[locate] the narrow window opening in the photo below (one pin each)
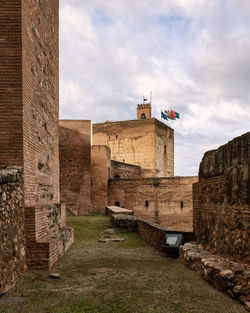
(146, 203)
(117, 203)
(116, 136)
(165, 149)
(143, 116)
(182, 205)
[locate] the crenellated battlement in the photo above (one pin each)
(143, 111)
(143, 106)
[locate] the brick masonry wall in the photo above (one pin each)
(75, 165)
(100, 173)
(124, 170)
(222, 200)
(11, 139)
(41, 132)
(40, 101)
(139, 142)
(12, 240)
(156, 199)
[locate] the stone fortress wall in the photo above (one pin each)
(166, 200)
(147, 143)
(124, 170)
(75, 165)
(122, 154)
(140, 152)
(100, 173)
(222, 200)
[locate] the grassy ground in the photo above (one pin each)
(124, 277)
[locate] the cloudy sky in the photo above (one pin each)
(193, 55)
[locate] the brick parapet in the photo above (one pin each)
(154, 233)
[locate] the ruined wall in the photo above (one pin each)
(138, 142)
(75, 165)
(167, 201)
(222, 200)
(100, 173)
(12, 241)
(124, 170)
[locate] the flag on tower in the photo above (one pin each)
(164, 116)
(172, 114)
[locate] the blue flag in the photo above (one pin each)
(164, 116)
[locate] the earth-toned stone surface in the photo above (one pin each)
(221, 200)
(12, 241)
(227, 276)
(109, 238)
(123, 220)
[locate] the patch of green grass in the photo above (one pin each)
(122, 277)
(88, 228)
(132, 241)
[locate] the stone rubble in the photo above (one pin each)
(54, 275)
(123, 220)
(229, 277)
(109, 238)
(111, 231)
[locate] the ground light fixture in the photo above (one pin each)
(171, 244)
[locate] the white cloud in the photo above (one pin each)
(193, 55)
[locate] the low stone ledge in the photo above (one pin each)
(110, 210)
(10, 174)
(229, 277)
(124, 220)
(154, 233)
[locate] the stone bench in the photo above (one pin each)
(110, 210)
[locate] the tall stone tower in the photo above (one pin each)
(143, 111)
(145, 142)
(29, 120)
